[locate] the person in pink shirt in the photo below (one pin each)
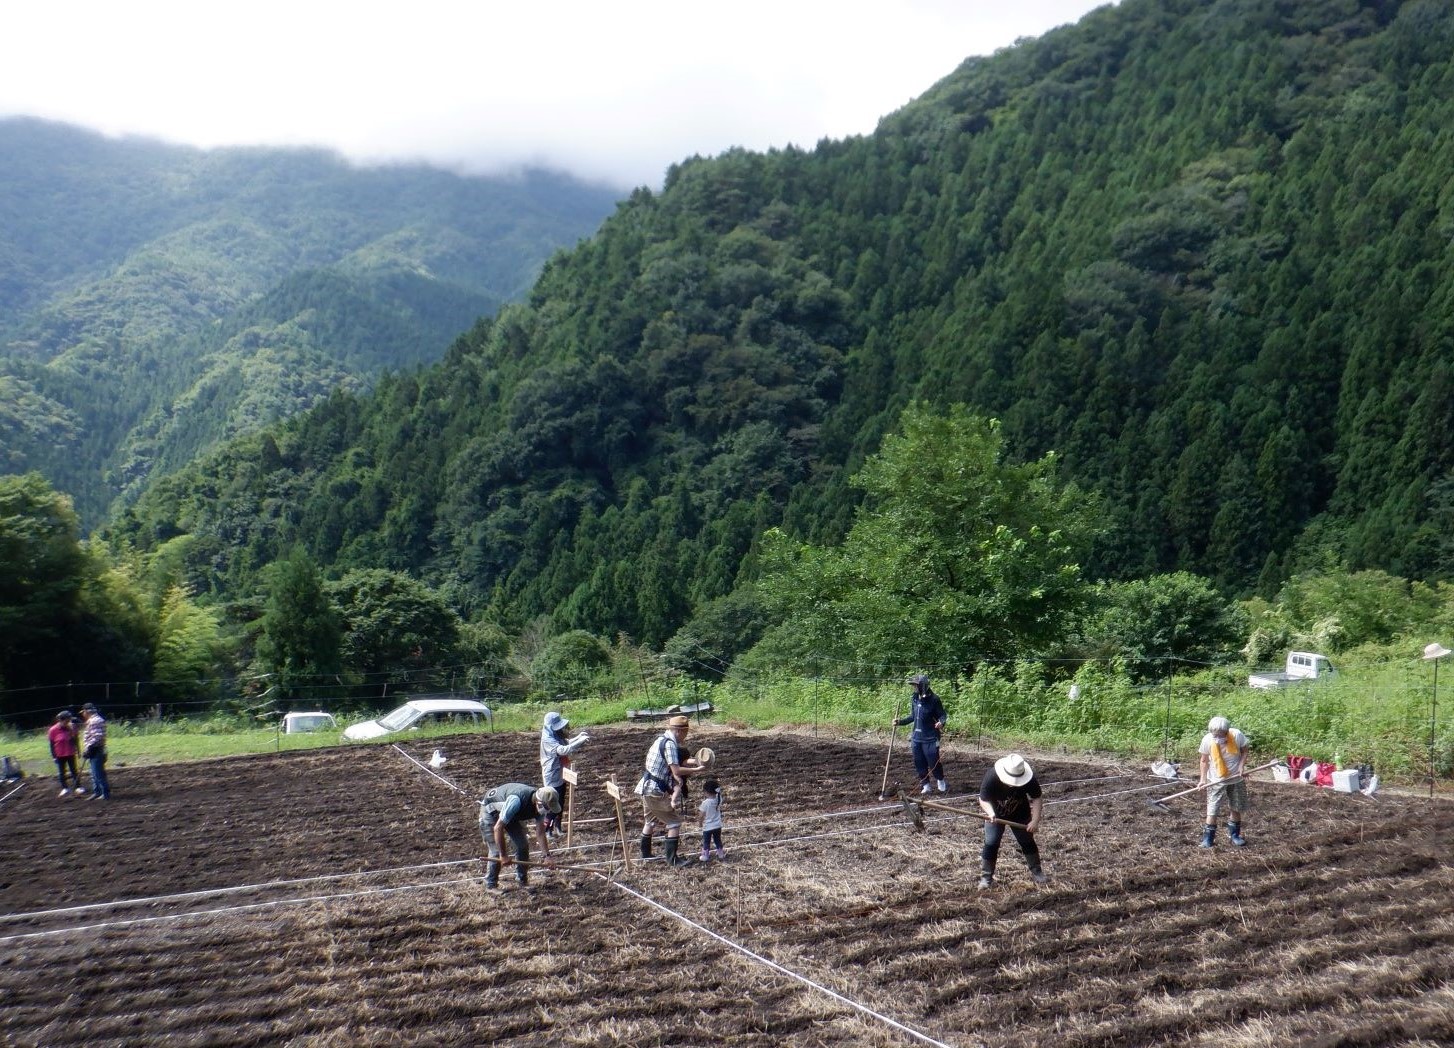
(63, 751)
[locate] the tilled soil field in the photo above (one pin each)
(334, 897)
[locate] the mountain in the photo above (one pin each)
(155, 299)
(1204, 251)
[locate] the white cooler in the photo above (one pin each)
(1346, 781)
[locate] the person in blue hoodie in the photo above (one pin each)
(926, 714)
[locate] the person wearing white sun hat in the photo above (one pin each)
(555, 751)
(1010, 793)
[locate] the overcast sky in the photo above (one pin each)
(609, 91)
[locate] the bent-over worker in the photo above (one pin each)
(504, 810)
(1010, 792)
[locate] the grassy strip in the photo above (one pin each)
(1376, 714)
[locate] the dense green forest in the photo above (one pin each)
(155, 299)
(1181, 276)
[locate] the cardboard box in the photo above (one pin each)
(1346, 781)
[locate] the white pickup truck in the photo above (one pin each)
(1301, 666)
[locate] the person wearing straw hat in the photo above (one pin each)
(1010, 793)
(666, 770)
(926, 714)
(504, 810)
(1223, 756)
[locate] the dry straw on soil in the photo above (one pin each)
(1331, 928)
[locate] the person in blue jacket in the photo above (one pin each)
(926, 714)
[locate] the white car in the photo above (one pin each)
(314, 720)
(416, 713)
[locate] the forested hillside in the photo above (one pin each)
(157, 299)
(1202, 251)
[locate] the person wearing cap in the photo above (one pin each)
(1010, 793)
(555, 751)
(926, 714)
(93, 750)
(504, 810)
(1223, 756)
(666, 767)
(62, 736)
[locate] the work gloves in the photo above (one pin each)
(576, 743)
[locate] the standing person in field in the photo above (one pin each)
(504, 810)
(555, 751)
(63, 751)
(1223, 756)
(1010, 792)
(926, 714)
(711, 809)
(666, 770)
(93, 749)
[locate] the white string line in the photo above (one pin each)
(431, 771)
(230, 890)
(244, 908)
(346, 895)
(12, 793)
(775, 966)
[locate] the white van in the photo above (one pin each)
(314, 720)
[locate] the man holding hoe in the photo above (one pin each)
(505, 810)
(1223, 756)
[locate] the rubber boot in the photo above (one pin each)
(671, 854)
(646, 845)
(1209, 832)
(1037, 874)
(1234, 834)
(986, 878)
(492, 874)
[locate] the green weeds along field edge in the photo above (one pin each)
(1386, 719)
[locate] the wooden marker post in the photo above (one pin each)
(615, 792)
(571, 778)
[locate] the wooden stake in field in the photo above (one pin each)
(615, 792)
(571, 778)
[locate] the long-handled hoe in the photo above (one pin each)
(915, 811)
(1159, 803)
(883, 790)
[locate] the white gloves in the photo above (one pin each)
(576, 743)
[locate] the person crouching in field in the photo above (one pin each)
(504, 810)
(1223, 756)
(1010, 792)
(63, 751)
